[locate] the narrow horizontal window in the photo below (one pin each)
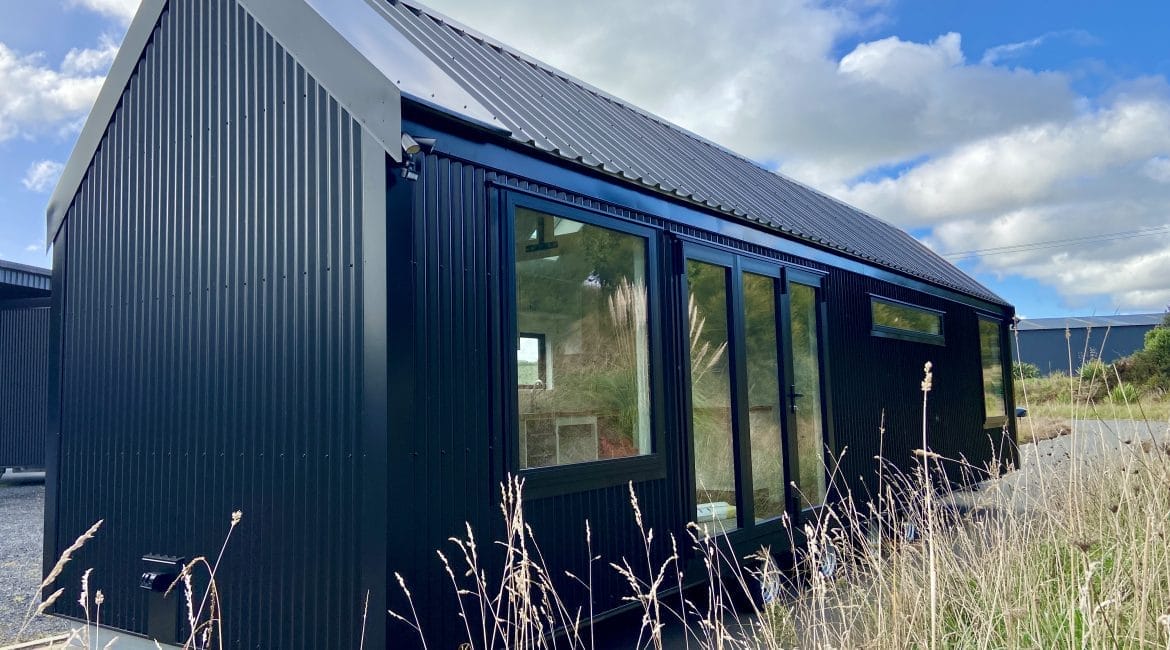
(899, 320)
(582, 345)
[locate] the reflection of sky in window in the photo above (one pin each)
(528, 350)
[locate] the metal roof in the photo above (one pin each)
(432, 60)
(14, 275)
(549, 110)
(1085, 322)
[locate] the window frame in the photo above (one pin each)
(814, 280)
(993, 421)
(541, 361)
(898, 333)
(554, 480)
(748, 531)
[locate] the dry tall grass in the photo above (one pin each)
(204, 623)
(1068, 556)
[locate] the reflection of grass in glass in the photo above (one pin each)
(767, 463)
(603, 379)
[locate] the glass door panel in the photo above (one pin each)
(806, 394)
(711, 396)
(763, 393)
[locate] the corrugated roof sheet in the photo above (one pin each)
(1083, 322)
(553, 112)
(24, 276)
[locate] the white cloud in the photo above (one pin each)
(1027, 165)
(33, 248)
(89, 61)
(34, 97)
(1158, 169)
(122, 10)
(981, 153)
(999, 53)
(42, 176)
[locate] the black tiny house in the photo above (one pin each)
(346, 265)
(24, 365)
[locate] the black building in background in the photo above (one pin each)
(347, 265)
(24, 364)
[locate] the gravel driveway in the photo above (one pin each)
(22, 507)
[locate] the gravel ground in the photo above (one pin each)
(22, 507)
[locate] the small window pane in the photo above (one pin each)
(906, 318)
(994, 402)
(715, 491)
(764, 409)
(530, 361)
(582, 345)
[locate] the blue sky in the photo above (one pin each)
(974, 125)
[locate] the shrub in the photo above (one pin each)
(1149, 366)
(1093, 370)
(1025, 370)
(1124, 393)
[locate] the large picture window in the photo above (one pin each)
(582, 341)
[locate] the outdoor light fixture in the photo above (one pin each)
(426, 144)
(411, 147)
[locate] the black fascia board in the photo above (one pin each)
(481, 147)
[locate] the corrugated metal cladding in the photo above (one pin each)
(1058, 350)
(557, 114)
(445, 471)
(445, 467)
(21, 281)
(212, 323)
(24, 389)
(874, 375)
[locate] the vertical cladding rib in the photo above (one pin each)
(211, 358)
(24, 376)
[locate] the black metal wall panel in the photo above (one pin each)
(211, 344)
(873, 376)
(446, 456)
(24, 390)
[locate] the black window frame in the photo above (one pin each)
(738, 262)
(554, 480)
(994, 421)
(886, 331)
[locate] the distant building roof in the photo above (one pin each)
(1085, 322)
(13, 274)
(20, 281)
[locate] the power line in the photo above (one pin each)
(1057, 243)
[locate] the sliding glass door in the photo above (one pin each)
(755, 407)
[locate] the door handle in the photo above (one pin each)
(792, 397)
